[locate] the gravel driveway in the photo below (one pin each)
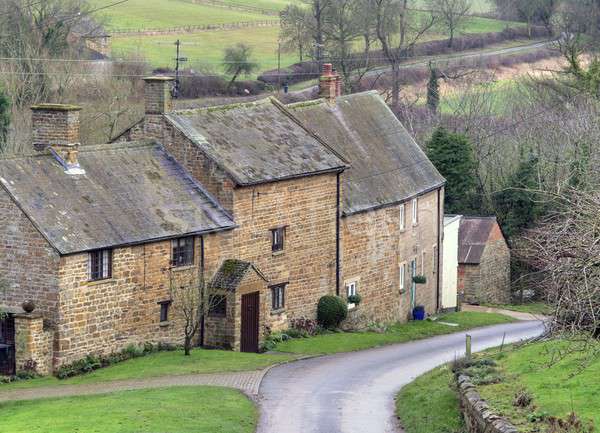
(354, 392)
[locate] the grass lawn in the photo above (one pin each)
(154, 14)
(173, 410)
(165, 364)
(351, 341)
(557, 388)
(432, 390)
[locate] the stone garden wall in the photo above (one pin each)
(479, 417)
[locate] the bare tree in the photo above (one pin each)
(452, 14)
(318, 10)
(193, 299)
(294, 33)
(398, 29)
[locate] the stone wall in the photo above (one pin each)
(373, 249)
(479, 417)
(33, 343)
(489, 281)
(105, 316)
(28, 264)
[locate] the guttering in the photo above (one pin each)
(439, 247)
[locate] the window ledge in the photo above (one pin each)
(278, 312)
(182, 268)
(352, 306)
(164, 324)
(278, 253)
(100, 282)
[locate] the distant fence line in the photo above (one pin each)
(236, 7)
(194, 29)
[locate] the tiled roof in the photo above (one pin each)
(473, 236)
(130, 193)
(386, 164)
(231, 273)
(256, 142)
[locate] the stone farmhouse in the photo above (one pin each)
(483, 262)
(274, 206)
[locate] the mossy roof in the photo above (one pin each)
(231, 274)
(386, 164)
(256, 142)
(130, 193)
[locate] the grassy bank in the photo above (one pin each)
(173, 410)
(555, 379)
(164, 364)
(432, 390)
(399, 333)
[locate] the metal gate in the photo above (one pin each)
(7, 345)
(250, 321)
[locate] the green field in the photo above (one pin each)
(477, 6)
(173, 410)
(156, 14)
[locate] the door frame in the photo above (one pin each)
(7, 343)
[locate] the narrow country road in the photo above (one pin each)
(354, 392)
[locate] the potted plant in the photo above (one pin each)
(419, 312)
(354, 300)
(420, 279)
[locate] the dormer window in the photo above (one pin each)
(100, 265)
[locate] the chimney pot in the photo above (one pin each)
(157, 94)
(329, 88)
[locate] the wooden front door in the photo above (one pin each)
(250, 320)
(7, 345)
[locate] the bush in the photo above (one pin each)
(273, 339)
(522, 398)
(304, 326)
(355, 299)
(331, 311)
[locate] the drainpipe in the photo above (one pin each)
(203, 289)
(439, 248)
(337, 236)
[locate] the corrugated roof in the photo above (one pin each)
(256, 142)
(473, 235)
(130, 193)
(387, 165)
(231, 273)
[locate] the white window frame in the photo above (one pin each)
(402, 276)
(434, 258)
(351, 288)
(402, 217)
(415, 211)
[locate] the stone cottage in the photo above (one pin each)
(273, 206)
(483, 262)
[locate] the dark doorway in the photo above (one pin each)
(250, 319)
(7, 345)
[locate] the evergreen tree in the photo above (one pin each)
(4, 119)
(516, 205)
(452, 155)
(433, 89)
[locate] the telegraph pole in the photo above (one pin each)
(178, 60)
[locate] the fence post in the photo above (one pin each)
(468, 347)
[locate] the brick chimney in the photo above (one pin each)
(330, 83)
(157, 95)
(56, 127)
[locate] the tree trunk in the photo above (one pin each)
(395, 84)
(451, 39)
(187, 345)
(237, 73)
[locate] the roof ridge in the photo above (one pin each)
(220, 107)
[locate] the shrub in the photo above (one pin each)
(572, 424)
(331, 311)
(304, 325)
(522, 398)
(355, 299)
(273, 339)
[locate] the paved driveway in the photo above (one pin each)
(354, 392)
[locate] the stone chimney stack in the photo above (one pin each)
(330, 83)
(157, 95)
(56, 127)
